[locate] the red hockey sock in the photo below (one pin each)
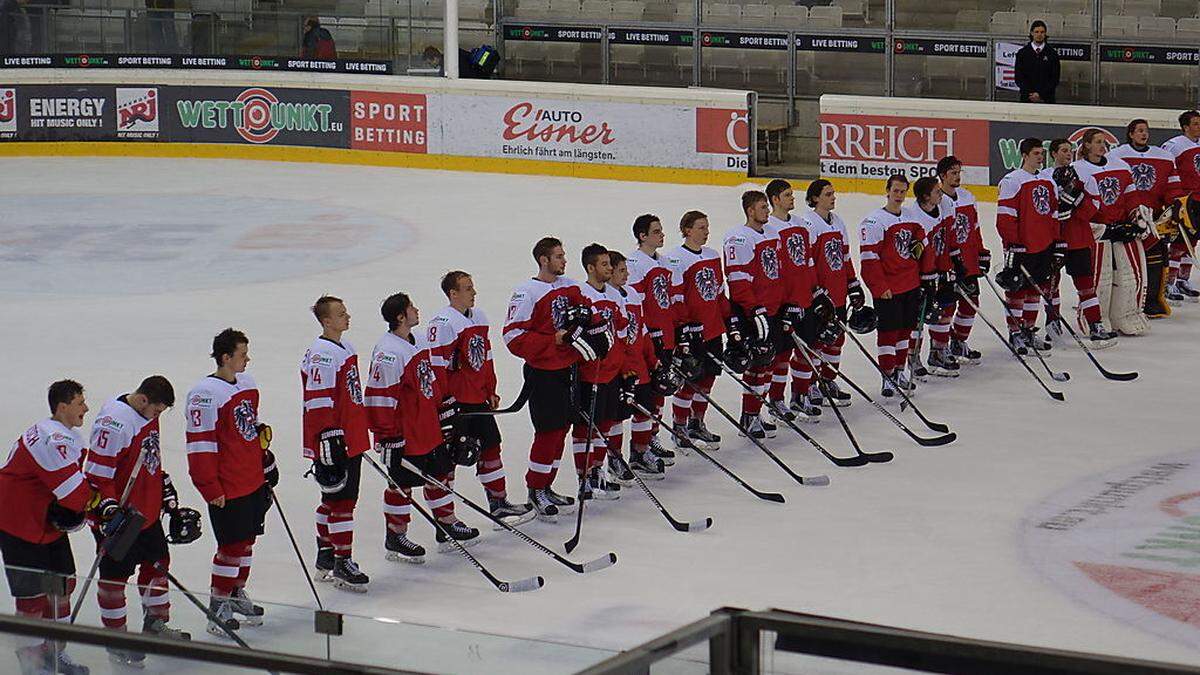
(441, 502)
(964, 319)
(490, 472)
(341, 526)
(1089, 304)
(544, 456)
(152, 584)
(323, 524)
(34, 607)
(110, 594)
(227, 567)
(397, 509)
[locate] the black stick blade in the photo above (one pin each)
(572, 543)
(694, 526)
(879, 457)
(1119, 377)
(770, 496)
(944, 439)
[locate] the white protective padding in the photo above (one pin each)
(1121, 285)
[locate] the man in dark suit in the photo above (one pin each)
(1037, 69)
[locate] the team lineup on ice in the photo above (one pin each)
(886, 407)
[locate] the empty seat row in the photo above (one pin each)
(468, 10)
(1081, 25)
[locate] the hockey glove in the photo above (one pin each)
(63, 519)
(1009, 278)
(822, 306)
(829, 333)
(661, 353)
(331, 448)
(120, 530)
(183, 526)
(854, 293)
(970, 286)
(945, 295)
(591, 342)
(170, 498)
(270, 469)
(790, 318)
(391, 451)
(264, 435)
(626, 384)
(665, 379)
(576, 316)
(758, 321)
(464, 450)
(762, 353)
(1058, 256)
(985, 261)
(736, 354)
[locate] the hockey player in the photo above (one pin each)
(1062, 153)
(974, 258)
(796, 269)
(1155, 182)
(755, 296)
(46, 496)
(698, 291)
(650, 281)
(834, 273)
(1101, 233)
(934, 213)
(598, 384)
(125, 457)
(463, 350)
(230, 463)
(892, 244)
(636, 382)
(1028, 226)
(334, 439)
(411, 418)
(1185, 149)
(549, 325)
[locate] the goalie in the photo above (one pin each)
(1103, 233)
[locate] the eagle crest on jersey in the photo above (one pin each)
(962, 228)
(353, 386)
(1041, 199)
(662, 294)
(795, 248)
(425, 377)
(706, 283)
(1110, 190)
(476, 352)
(1196, 162)
(152, 460)
(939, 240)
(606, 313)
(1143, 176)
(770, 262)
(245, 420)
(634, 330)
(834, 257)
(558, 310)
(903, 243)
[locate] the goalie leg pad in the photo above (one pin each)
(1129, 289)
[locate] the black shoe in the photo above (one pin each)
(667, 457)
(348, 577)
(466, 536)
(648, 466)
(510, 514)
(564, 503)
(402, 549)
(324, 564)
(546, 509)
(701, 436)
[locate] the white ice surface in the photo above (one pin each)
(113, 269)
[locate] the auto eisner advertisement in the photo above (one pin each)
(876, 146)
(588, 132)
(257, 115)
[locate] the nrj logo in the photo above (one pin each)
(257, 115)
(8, 110)
(1124, 543)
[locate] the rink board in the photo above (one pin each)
(624, 133)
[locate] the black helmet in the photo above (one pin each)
(1010, 279)
(863, 320)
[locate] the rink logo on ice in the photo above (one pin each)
(8, 112)
(724, 131)
(137, 112)
(389, 122)
(1125, 543)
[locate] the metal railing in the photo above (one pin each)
(737, 640)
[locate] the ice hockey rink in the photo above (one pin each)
(113, 269)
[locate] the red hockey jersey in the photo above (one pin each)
(119, 435)
(1186, 154)
(651, 278)
(536, 312)
(1108, 194)
(1155, 181)
(462, 348)
(609, 307)
(796, 260)
(698, 289)
(753, 270)
(834, 270)
(404, 394)
(885, 243)
(224, 455)
(1025, 212)
(966, 235)
(639, 350)
(939, 237)
(333, 396)
(43, 466)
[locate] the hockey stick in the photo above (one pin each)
(1108, 375)
(1056, 395)
(213, 618)
(1056, 376)
(679, 525)
(591, 566)
(935, 426)
(920, 440)
(768, 496)
(803, 480)
(295, 547)
(878, 457)
(530, 584)
(858, 460)
(102, 549)
(517, 404)
(592, 432)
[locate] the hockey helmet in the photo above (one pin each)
(330, 478)
(1010, 279)
(863, 320)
